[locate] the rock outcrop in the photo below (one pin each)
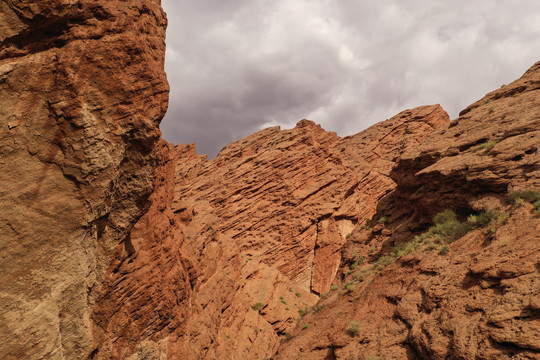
(291, 244)
(407, 297)
(265, 222)
(82, 92)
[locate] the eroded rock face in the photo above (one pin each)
(474, 299)
(117, 245)
(265, 222)
(82, 91)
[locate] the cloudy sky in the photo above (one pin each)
(237, 66)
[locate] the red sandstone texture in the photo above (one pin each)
(82, 91)
(291, 244)
(475, 299)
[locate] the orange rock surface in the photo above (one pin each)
(291, 244)
(82, 92)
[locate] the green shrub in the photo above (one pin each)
(531, 196)
(354, 328)
(334, 287)
(445, 216)
(383, 262)
(258, 306)
(306, 325)
(303, 311)
(485, 218)
(383, 220)
(451, 230)
(361, 275)
(444, 250)
(350, 287)
(286, 337)
(298, 294)
(282, 299)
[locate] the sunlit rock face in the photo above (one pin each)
(82, 92)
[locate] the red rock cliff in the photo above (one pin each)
(82, 92)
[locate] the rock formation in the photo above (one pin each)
(82, 89)
(291, 244)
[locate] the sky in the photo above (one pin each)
(238, 66)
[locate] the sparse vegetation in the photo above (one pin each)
(530, 196)
(361, 275)
(446, 230)
(444, 250)
(282, 299)
(298, 294)
(354, 328)
(306, 325)
(334, 287)
(302, 312)
(382, 220)
(487, 146)
(258, 306)
(366, 226)
(286, 337)
(350, 287)
(445, 216)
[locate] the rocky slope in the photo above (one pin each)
(411, 297)
(291, 244)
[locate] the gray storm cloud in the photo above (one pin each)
(236, 67)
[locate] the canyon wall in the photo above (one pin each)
(291, 244)
(82, 92)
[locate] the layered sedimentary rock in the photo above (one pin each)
(291, 244)
(265, 222)
(82, 91)
(475, 299)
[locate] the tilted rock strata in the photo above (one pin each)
(116, 245)
(82, 91)
(491, 148)
(266, 219)
(477, 302)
